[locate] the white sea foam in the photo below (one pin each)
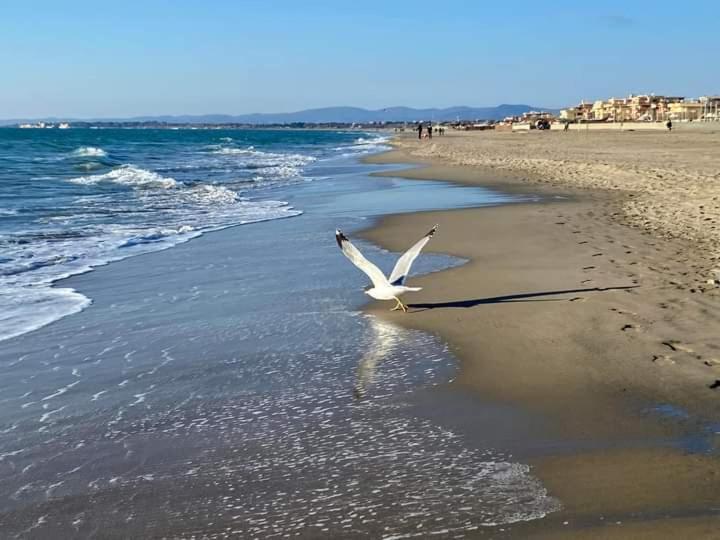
(249, 151)
(46, 416)
(270, 165)
(267, 157)
(6, 455)
(60, 391)
(129, 175)
(89, 151)
(29, 269)
(212, 194)
(105, 225)
(365, 145)
(26, 309)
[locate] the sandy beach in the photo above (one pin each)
(591, 308)
(665, 179)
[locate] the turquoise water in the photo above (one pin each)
(71, 200)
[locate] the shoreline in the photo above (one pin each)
(184, 360)
(627, 407)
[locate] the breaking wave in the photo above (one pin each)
(107, 224)
(129, 175)
(89, 210)
(89, 151)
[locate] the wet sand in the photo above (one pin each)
(595, 325)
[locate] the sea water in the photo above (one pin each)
(228, 386)
(73, 200)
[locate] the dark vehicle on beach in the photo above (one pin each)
(543, 123)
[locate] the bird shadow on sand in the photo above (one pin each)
(522, 297)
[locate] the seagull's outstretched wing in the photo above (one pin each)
(402, 267)
(351, 252)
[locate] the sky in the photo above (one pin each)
(90, 59)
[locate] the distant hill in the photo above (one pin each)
(328, 114)
(354, 114)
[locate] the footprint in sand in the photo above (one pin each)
(588, 267)
(675, 345)
(662, 359)
(621, 312)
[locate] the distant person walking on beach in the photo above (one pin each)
(429, 131)
(567, 126)
(669, 125)
(419, 130)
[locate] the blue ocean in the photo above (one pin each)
(185, 353)
(71, 200)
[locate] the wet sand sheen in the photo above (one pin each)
(559, 311)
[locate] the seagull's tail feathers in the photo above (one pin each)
(413, 289)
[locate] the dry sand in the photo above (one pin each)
(671, 180)
(597, 326)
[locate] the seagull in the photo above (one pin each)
(385, 288)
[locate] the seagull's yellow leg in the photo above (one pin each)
(399, 305)
(404, 307)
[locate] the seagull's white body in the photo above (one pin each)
(384, 288)
(390, 292)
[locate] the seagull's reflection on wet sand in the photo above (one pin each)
(385, 339)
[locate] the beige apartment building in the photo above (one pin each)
(692, 110)
(645, 108)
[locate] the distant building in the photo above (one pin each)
(644, 108)
(711, 108)
(529, 118)
(686, 110)
(569, 115)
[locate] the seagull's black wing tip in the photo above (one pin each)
(432, 231)
(340, 237)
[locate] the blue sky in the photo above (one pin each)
(104, 59)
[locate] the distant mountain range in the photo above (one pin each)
(324, 115)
